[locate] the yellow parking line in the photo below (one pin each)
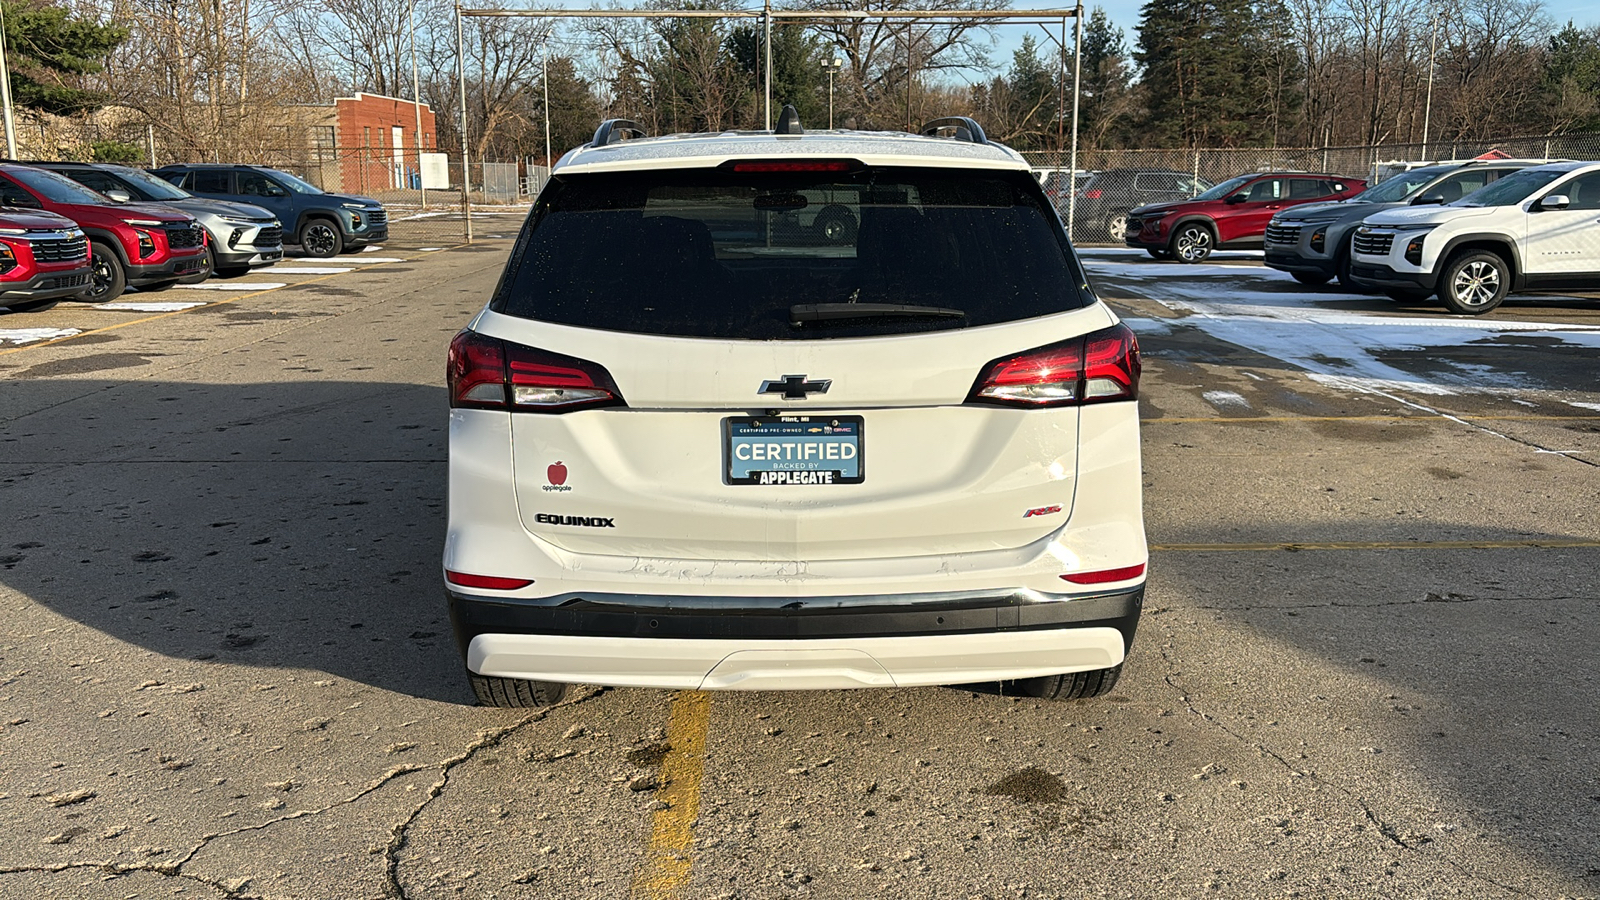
(1537, 543)
(667, 863)
(179, 312)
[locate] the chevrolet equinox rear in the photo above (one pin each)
(779, 410)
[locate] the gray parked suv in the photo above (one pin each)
(241, 237)
(323, 224)
(1312, 242)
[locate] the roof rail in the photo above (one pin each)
(966, 129)
(612, 130)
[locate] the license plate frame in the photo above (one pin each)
(798, 467)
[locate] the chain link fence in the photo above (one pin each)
(1108, 183)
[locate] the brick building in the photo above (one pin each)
(368, 143)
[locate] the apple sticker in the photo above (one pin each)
(558, 473)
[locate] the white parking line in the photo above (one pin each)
(374, 260)
(370, 249)
(29, 335)
(308, 270)
(133, 306)
(233, 286)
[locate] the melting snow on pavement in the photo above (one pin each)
(133, 306)
(1342, 348)
(29, 335)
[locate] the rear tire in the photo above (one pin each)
(515, 693)
(1310, 278)
(1474, 282)
(25, 306)
(1071, 686)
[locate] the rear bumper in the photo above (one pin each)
(47, 285)
(1382, 276)
(744, 643)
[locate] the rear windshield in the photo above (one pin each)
(797, 255)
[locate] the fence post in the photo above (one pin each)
(1196, 172)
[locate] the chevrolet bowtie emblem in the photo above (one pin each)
(795, 387)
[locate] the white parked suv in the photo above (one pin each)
(781, 410)
(1537, 229)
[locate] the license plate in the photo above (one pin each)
(793, 450)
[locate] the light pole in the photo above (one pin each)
(1427, 109)
(832, 67)
(5, 93)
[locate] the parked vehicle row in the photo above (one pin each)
(1231, 215)
(1466, 233)
(89, 231)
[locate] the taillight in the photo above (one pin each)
(823, 165)
(1096, 368)
(488, 373)
(1092, 195)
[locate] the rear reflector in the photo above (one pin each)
(1095, 368)
(488, 373)
(1105, 575)
(490, 582)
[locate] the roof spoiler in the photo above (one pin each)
(965, 129)
(611, 131)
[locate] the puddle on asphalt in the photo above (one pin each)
(1029, 785)
(94, 362)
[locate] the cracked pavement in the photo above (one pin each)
(226, 669)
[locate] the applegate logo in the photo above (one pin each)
(580, 521)
(557, 476)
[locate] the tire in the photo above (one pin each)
(26, 306)
(1071, 686)
(161, 286)
(209, 267)
(1409, 298)
(1342, 269)
(1191, 243)
(515, 693)
(1158, 254)
(321, 239)
(835, 225)
(1474, 282)
(1117, 228)
(107, 281)
(1311, 278)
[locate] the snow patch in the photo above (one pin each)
(167, 306)
(1226, 399)
(29, 335)
(370, 249)
(428, 249)
(1593, 406)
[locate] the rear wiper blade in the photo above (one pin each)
(824, 312)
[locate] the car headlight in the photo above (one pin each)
(1319, 239)
(17, 231)
(148, 223)
(1414, 239)
(354, 205)
(147, 244)
(238, 220)
(8, 257)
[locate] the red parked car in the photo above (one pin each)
(43, 259)
(1231, 216)
(145, 245)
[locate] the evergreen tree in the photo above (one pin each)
(1216, 72)
(574, 108)
(49, 50)
(1107, 103)
(1571, 79)
(798, 78)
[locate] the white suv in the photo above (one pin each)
(779, 410)
(1533, 229)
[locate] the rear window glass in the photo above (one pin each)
(719, 254)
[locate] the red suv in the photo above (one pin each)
(43, 258)
(1231, 216)
(144, 245)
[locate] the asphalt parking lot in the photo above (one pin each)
(1366, 667)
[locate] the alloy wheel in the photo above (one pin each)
(1476, 284)
(1192, 244)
